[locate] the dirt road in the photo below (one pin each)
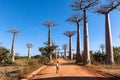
(69, 71)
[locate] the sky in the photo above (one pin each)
(27, 16)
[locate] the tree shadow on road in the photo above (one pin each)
(78, 78)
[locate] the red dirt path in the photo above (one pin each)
(69, 71)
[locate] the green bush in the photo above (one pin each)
(9, 62)
(4, 54)
(43, 60)
(97, 58)
(32, 62)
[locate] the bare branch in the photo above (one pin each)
(13, 31)
(75, 18)
(29, 45)
(106, 8)
(83, 4)
(69, 33)
(49, 24)
(65, 46)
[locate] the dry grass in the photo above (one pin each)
(110, 69)
(21, 68)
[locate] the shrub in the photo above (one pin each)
(43, 60)
(32, 62)
(97, 58)
(9, 62)
(4, 54)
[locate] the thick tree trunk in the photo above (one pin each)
(86, 55)
(70, 48)
(55, 54)
(12, 50)
(65, 53)
(108, 39)
(78, 53)
(102, 51)
(49, 36)
(50, 57)
(29, 53)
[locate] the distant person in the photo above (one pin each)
(57, 66)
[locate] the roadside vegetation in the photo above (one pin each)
(98, 60)
(21, 67)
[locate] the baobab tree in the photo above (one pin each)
(102, 48)
(105, 9)
(49, 24)
(70, 34)
(29, 46)
(77, 19)
(84, 5)
(65, 50)
(15, 32)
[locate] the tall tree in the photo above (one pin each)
(77, 19)
(49, 24)
(84, 5)
(102, 48)
(65, 50)
(105, 9)
(70, 34)
(15, 32)
(48, 51)
(29, 46)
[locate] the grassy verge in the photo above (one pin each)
(20, 69)
(110, 69)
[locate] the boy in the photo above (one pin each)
(57, 67)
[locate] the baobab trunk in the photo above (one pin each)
(108, 37)
(70, 48)
(29, 53)
(12, 50)
(49, 36)
(65, 53)
(55, 54)
(50, 57)
(86, 55)
(78, 53)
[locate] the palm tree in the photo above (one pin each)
(65, 50)
(15, 32)
(105, 9)
(48, 51)
(70, 34)
(77, 19)
(49, 24)
(29, 46)
(84, 5)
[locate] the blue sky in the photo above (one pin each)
(27, 16)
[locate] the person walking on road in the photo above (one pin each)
(57, 66)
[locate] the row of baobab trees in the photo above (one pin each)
(84, 6)
(105, 9)
(29, 45)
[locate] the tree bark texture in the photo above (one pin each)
(70, 48)
(108, 39)
(78, 53)
(29, 53)
(86, 55)
(65, 53)
(12, 50)
(49, 36)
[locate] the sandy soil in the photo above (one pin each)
(69, 71)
